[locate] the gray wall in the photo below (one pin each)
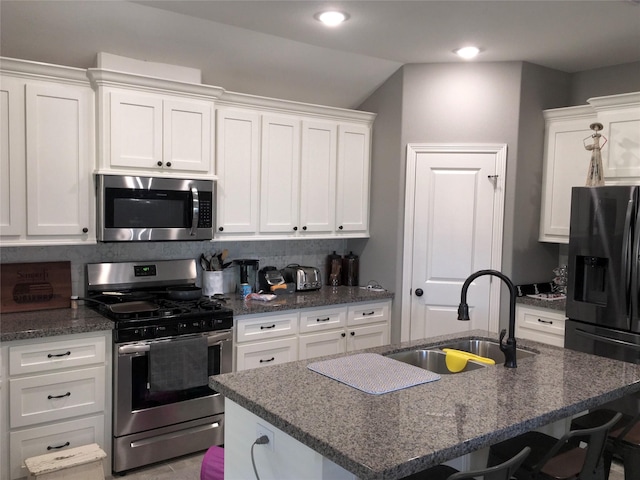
(604, 81)
(465, 103)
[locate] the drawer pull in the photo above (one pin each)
(267, 327)
(268, 360)
(51, 397)
(548, 322)
(66, 444)
(323, 319)
(53, 355)
(364, 314)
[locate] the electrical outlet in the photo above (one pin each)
(262, 430)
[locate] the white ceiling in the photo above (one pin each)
(277, 49)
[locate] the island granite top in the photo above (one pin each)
(393, 435)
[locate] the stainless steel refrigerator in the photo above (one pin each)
(604, 277)
(604, 272)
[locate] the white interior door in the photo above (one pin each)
(453, 227)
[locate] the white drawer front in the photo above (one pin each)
(265, 327)
(49, 356)
(54, 396)
(320, 344)
(361, 313)
(322, 319)
(31, 442)
(263, 354)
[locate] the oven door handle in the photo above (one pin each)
(195, 210)
(212, 340)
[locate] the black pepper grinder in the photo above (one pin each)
(350, 267)
(334, 270)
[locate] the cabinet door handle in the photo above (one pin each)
(268, 360)
(168, 164)
(267, 327)
(51, 397)
(343, 334)
(53, 355)
(366, 314)
(323, 319)
(548, 322)
(340, 227)
(51, 447)
(353, 334)
(159, 163)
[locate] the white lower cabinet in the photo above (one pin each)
(543, 325)
(59, 396)
(270, 339)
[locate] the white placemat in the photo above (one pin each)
(373, 373)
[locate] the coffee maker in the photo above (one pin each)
(246, 275)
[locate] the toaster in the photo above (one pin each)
(304, 278)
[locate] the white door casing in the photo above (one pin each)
(454, 209)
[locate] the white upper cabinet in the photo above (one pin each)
(566, 161)
(238, 169)
(150, 126)
(280, 167)
(620, 117)
(47, 155)
(302, 171)
(353, 179)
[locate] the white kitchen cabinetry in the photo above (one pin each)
(263, 340)
(566, 161)
(543, 325)
(59, 393)
(47, 155)
(313, 165)
(154, 127)
(268, 339)
(353, 179)
(238, 169)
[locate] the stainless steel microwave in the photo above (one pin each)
(137, 209)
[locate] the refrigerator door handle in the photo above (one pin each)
(613, 341)
(627, 252)
(634, 269)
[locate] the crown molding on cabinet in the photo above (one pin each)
(43, 71)
(631, 99)
(112, 78)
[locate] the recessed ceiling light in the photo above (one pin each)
(467, 52)
(331, 18)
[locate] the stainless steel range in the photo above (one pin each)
(168, 340)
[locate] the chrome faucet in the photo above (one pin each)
(508, 348)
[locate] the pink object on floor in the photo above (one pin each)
(213, 464)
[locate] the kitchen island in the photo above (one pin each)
(325, 429)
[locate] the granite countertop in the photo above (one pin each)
(395, 434)
(559, 305)
(64, 321)
(326, 296)
(49, 323)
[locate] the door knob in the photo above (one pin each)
(419, 292)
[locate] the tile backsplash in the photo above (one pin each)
(277, 253)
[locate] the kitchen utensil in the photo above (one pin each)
(304, 278)
(125, 307)
(204, 263)
(456, 360)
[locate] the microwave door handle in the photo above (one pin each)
(195, 210)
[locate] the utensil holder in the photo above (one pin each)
(212, 283)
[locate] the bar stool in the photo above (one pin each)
(504, 471)
(623, 440)
(553, 458)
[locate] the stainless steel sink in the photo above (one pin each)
(432, 360)
(486, 348)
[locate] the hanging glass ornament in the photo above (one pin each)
(595, 175)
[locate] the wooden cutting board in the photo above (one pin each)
(26, 287)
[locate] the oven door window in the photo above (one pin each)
(147, 208)
(141, 396)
